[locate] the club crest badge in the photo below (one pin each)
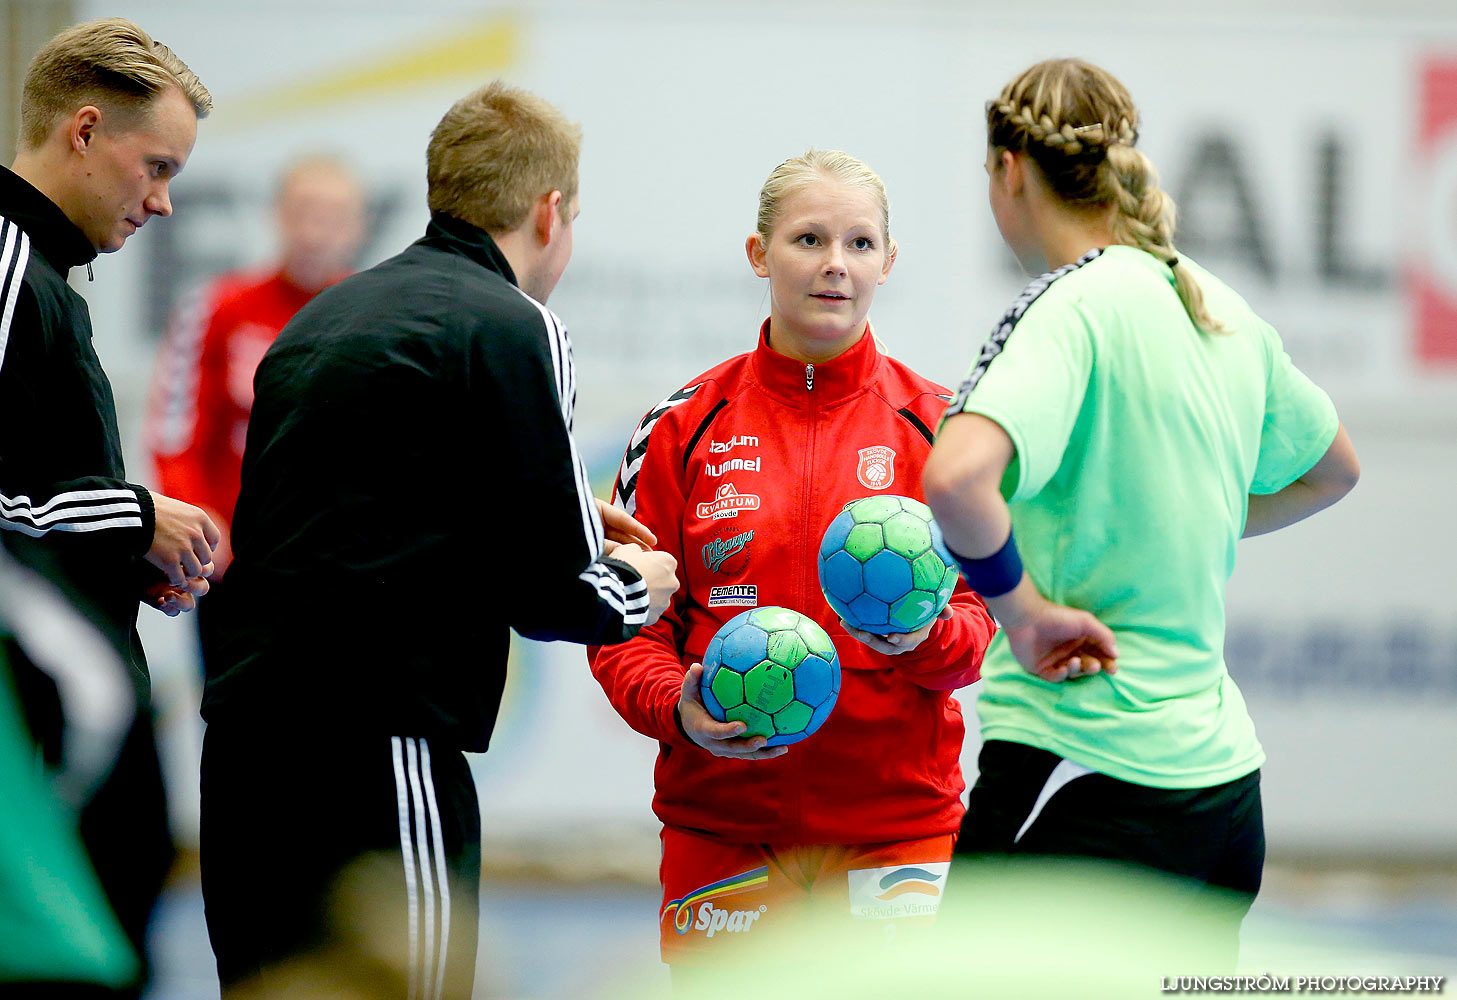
(877, 467)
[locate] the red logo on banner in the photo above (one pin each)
(1434, 278)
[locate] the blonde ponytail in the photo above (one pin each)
(1079, 125)
(1145, 217)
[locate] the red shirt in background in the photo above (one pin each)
(202, 388)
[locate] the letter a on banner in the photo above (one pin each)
(1433, 275)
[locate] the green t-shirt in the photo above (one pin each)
(55, 923)
(1138, 439)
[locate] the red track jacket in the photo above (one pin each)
(738, 474)
(202, 388)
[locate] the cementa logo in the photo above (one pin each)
(741, 595)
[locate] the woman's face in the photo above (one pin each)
(824, 259)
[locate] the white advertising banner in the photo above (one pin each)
(1314, 161)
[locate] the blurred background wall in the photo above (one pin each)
(1312, 148)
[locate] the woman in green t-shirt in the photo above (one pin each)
(1128, 420)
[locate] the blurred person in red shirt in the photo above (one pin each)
(202, 387)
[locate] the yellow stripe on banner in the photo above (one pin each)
(464, 51)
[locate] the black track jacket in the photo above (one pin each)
(65, 509)
(411, 489)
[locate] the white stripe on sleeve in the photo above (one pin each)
(561, 357)
(76, 510)
(14, 255)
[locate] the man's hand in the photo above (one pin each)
(621, 528)
(183, 541)
(173, 601)
(896, 642)
(722, 739)
(658, 570)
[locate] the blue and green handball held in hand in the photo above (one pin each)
(884, 567)
(773, 669)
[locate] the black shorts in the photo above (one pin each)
(1030, 801)
(324, 861)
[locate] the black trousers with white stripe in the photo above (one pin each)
(326, 863)
(1029, 802)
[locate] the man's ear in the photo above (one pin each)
(81, 128)
(548, 216)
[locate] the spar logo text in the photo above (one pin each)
(696, 910)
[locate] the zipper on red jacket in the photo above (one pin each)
(811, 543)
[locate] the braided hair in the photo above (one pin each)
(1080, 126)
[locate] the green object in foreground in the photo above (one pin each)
(55, 923)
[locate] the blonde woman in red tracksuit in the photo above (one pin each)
(738, 473)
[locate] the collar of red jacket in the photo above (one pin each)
(836, 379)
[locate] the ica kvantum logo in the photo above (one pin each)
(727, 502)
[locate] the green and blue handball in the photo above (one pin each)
(773, 669)
(884, 567)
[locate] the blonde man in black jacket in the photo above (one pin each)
(108, 118)
(400, 420)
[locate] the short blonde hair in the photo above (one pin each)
(498, 150)
(814, 165)
(112, 64)
(1079, 125)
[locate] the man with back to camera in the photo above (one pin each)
(410, 492)
(202, 385)
(107, 118)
